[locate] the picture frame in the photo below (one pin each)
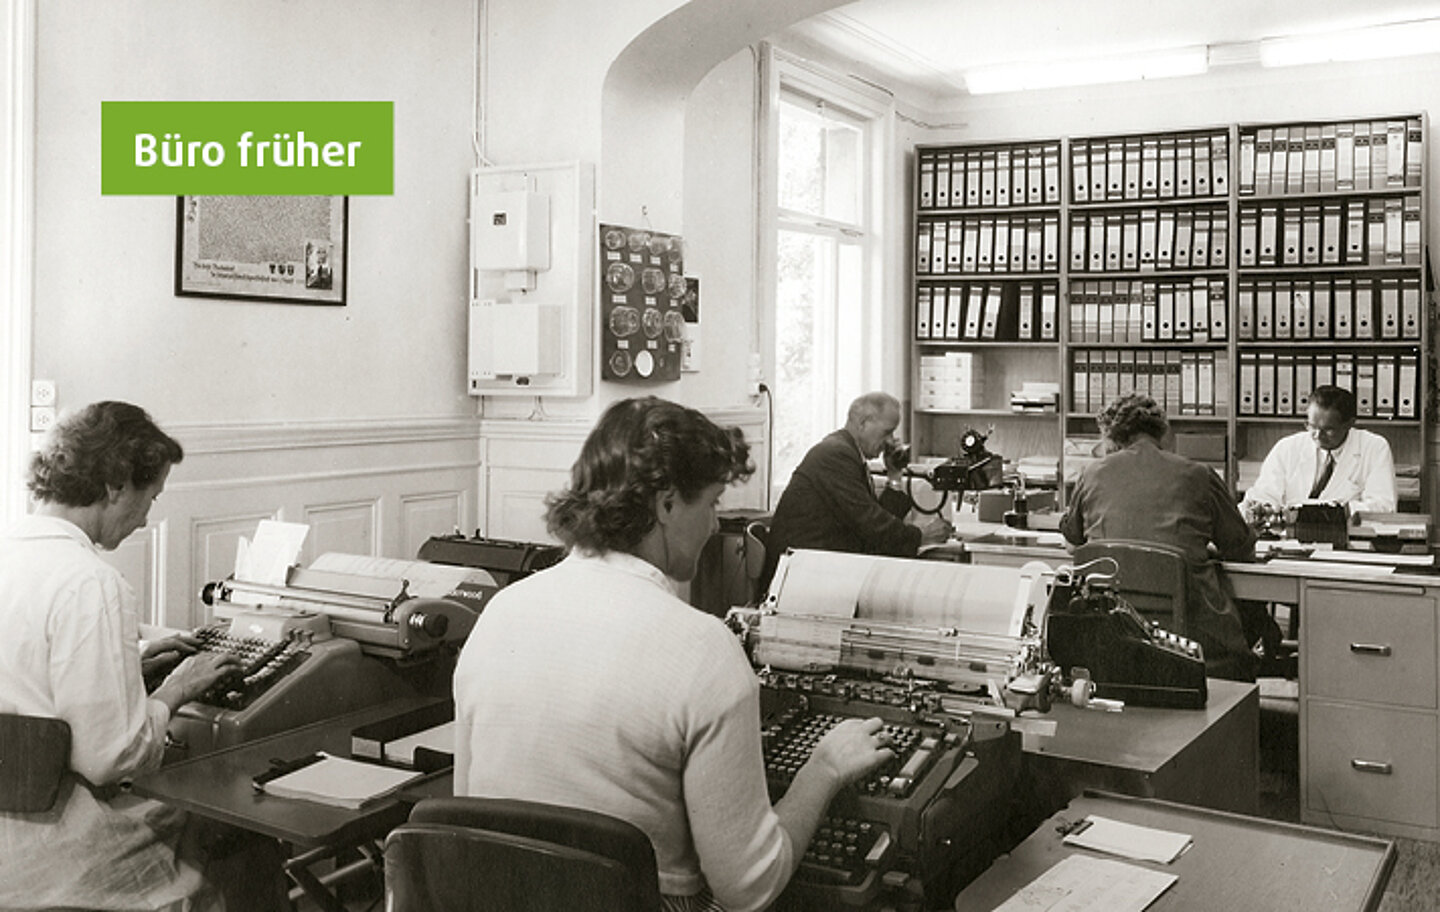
(267, 248)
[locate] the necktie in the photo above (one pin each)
(1324, 477)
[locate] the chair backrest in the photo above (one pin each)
(757, 540)
(34, 756)
(1152, 577)
(503, 855)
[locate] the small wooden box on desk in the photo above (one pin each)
(1205, 757)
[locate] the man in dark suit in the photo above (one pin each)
(830, 502)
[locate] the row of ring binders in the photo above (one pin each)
(982, 244)
(1168, 166)
(1342, 307)
(1374, 231)
(1138, 311)
(1343, 156)
(1189, 383)
(1278, 383)
(998, 311)
(1145, 239)
(1010, 175)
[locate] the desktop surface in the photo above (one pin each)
(1235, 862)
(218, 785)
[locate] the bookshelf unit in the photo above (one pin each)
(987, 294)
(1183, 268)
(1331, 280)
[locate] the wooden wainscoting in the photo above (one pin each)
(373, 487)
(524, 460)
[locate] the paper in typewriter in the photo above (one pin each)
(426, 580)
(978, 599)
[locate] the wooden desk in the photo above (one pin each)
(1207, 757)
(217, 786)
(1235, 862)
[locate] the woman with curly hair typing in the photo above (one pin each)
(592, 684)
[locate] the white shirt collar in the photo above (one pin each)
(37, 526)
(623, 562)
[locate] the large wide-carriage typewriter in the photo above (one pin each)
(944, 654)
(347, 632)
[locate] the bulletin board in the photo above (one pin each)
(642, 288)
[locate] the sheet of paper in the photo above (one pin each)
(1127, 840)
(1083, 883)
(969, 597)
(426, 580)
(268, 557)
(1303, 567)
(340, 781)
(1376, 557)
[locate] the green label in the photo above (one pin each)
(247, 148)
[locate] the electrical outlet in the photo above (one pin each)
(42, 392)
(42, 418)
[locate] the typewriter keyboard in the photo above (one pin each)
(262, 662)
(844, 850)
(788, 741)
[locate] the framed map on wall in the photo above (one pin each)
(273, 248)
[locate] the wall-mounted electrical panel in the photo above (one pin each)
(532, 268)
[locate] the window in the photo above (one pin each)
(825, 161)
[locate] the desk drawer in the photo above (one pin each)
(1373, 763)
(1369, 645)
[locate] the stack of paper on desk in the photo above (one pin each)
(341, 782)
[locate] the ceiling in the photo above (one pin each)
(926, 45)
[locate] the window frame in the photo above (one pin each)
(882, 356)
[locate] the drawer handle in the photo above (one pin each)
(1370, 649)
(1372, 766)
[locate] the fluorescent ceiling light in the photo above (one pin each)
(1400, 39)
(1015, 77)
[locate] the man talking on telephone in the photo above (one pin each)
(830, 503)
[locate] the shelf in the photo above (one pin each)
(1012, 209)
(1347, 344)
(1369, 423)
(1146, 346)
(1085, 275)
(1319, 270)
(987, 413)
(986, 343)
(1325, 194)
(937, 277)
(1147, 200)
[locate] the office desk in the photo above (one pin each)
(1234, 863)
(217, 786)
(1207, 756)
(1369, 685)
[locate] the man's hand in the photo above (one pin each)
(934, 529)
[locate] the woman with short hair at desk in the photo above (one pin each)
(1142, 492)
(591, 684)
(71, 651)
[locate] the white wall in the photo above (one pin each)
(353, 419)
(106, 322)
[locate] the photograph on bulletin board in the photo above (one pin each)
(642, 292)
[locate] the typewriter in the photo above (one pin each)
(347, 632)
(945, 655)
(1092, 632)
